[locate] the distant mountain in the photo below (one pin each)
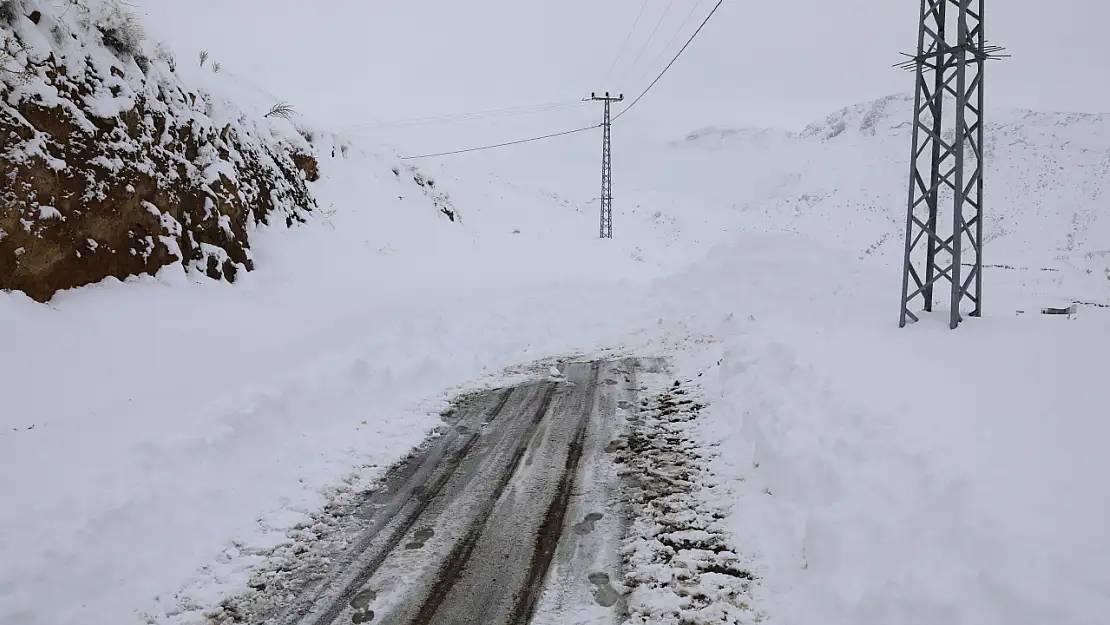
(845, 179)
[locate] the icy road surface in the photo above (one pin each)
(504, 508)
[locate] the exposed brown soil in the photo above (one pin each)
(128, 194)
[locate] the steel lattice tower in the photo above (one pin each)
(946, 162)
(606, 165)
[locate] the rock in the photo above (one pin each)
(129, 188)
(308, 166)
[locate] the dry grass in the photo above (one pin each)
(284, 110)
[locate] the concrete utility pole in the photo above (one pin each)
(606, 165)
(947, 157)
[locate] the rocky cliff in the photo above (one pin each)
(111, 166)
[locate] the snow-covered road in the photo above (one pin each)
(823, 469)
(466, 529)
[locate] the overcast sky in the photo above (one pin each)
(783, 63)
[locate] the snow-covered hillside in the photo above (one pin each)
(116, 166)
(844, 179)
(921, 475)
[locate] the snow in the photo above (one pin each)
(49, 212)
(125, 498)
(198, 414)
(916, 477)
(161, 437)
(679, 565)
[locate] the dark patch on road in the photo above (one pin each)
(422, 535)
(362, 600)
(604, 594)
(360, 603)
(588, 524)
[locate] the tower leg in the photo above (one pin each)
(946, 69)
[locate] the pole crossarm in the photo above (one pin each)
(981, 53)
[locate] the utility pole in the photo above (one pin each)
(606, 164)
(951, 53)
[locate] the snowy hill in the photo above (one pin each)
(843, 180)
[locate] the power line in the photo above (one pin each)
(647, 69)
(502, 145)
(688, 42)
(647, 41)
(584, 128)
(461, 116)
(624, 45)
(535, 108)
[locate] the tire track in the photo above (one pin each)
(582, 583)
(460, 556)
(467, 529)
(482, 581)
(424, 498)
(552, 529)
(451, 482)
(394, 508)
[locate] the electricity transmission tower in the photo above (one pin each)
(946, 164)
(606, 164)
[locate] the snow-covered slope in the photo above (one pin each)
(844, 180)
(116, 167)
(881, 475)
(918, 475)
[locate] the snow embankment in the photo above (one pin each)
(918, 475)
